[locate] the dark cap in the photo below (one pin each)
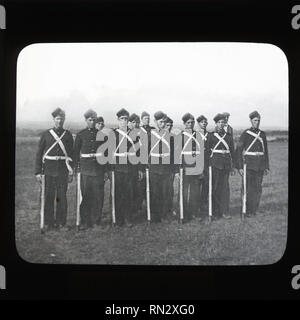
(254, 114)
(134, 117)
(145, 114)
(187, 117)
(123, 112)
(90, 114)
(219, 116)
(58, 112)
(169, 120)
(200, 118)
(99, 119)
(160, 115)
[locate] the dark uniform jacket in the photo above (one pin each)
(220, 160)
(229, 129)
(204, 134)
(86, 143)
(254, 162)
(53, 167)
(123, 146)
(156, 146)
(146, 128)
(192, 152)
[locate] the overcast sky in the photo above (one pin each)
(200, 78)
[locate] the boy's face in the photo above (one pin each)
(161, 123)
(203, 124)
(220, 124)
(91, 122)
(189, 124)
(59, 121)
(255, 122)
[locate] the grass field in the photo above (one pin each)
(259, 240)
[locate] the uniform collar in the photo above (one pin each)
(58, 130)
(254, 130)
(220, 132)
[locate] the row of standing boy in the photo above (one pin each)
(58, 158)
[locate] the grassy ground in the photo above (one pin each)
(259, 240)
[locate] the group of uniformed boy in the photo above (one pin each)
(142, 164)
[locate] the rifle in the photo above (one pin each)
(113, 204)
(42, 211)
(244, 191)
(78, 198)
(181, 193)
(148, 195)
(210, 194)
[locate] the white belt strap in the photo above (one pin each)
(190, 152)
(57, 158)
(160, 138)
(124, 154)
(257, 137)
(125, 135)
(53, 145)
(221, 139)
(59, 141)
(91, 155)
(160, 155)
(249, 153)
(221, 151)
(143, 129)
(204, 136)
(191, 137)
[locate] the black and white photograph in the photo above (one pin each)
(152, 153)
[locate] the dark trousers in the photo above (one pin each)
(159, 184)
(56, 191)
(254, 181)
(123, 197)
(220, 192)
(204, 190)
(191, 196)
(170, 192)
(92, 191)
(138, 191)
(142, 190)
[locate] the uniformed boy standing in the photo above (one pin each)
(252, 150)
(145, 127)
(54, 160)
(124, 169)
(221, 152)
(160, 167)
(136, 187)
(99, 123)
(193, 166)
(170, 191)
(145, 131)
(227, 127)
(92, 173)
(202, 124)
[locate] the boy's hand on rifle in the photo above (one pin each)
(141, 175)
(38, 178)
(106, 176)
(241, 172)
